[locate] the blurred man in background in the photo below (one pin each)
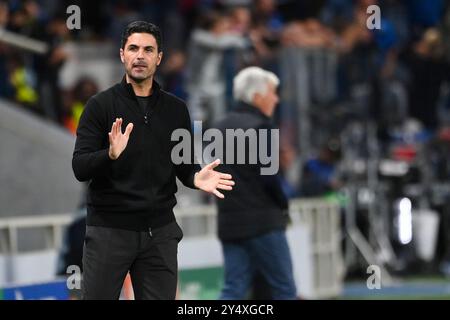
(253, 218)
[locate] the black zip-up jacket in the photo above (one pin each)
(257, 203)
(137, 190)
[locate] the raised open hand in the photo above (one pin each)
(117, 140)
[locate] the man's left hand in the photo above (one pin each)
(210, 181)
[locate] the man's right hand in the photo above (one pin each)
(117, 140)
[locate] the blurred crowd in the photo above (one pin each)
(333, 68)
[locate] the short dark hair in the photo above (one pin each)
(142, 27)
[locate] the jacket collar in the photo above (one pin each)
(245, 107)
(127, 88)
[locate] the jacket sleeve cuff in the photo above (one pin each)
(191, 179)
(104, 156)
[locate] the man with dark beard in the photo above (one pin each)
(130, 222)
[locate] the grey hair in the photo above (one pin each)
(250, 81)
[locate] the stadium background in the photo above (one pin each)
(363, 116)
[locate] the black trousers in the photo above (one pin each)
(150, 257)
